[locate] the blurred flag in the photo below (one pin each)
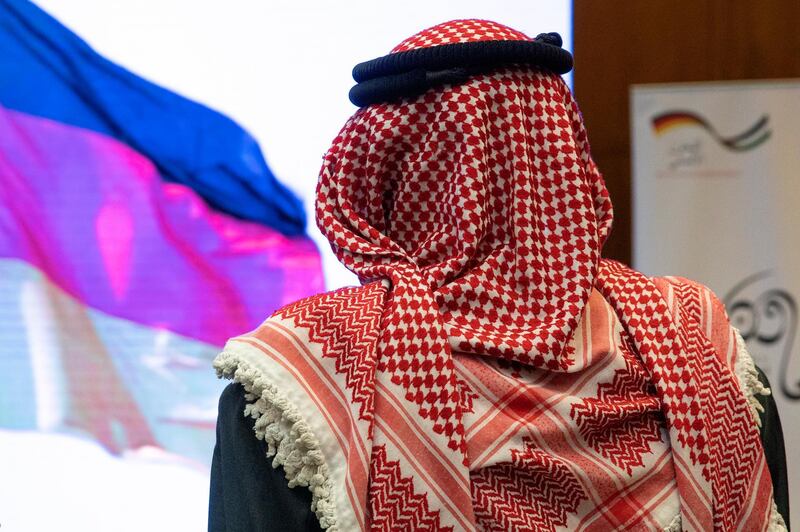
(138, 231)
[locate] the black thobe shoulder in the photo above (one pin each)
(247, 493)
(772, 440)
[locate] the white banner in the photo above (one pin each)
(716, 198)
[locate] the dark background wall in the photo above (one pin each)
(618, 43)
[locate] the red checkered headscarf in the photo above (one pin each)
(438, 196)
(488, 330)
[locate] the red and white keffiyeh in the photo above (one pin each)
(493, 372)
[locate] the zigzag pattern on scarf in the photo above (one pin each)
(535, 491)
(711, 421)
(733, 443)
(346, 323)
(393, 502)
(624, 419)
(648, 323)
(468, 396)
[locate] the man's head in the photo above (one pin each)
(485, 180)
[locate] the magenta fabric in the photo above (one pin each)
(97, 219)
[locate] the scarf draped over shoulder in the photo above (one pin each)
(492, 372)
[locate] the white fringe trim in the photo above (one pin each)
(674, 525)
(747, 375)
(289, 439)
(776, 522)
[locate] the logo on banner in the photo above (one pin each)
(767, 318)
(686, 152)
(753, 137)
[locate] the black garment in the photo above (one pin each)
(248, 495)
(772, 440)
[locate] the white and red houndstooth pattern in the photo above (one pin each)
(460, 31)
(493, 371)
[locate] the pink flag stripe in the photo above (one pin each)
(95, 217)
